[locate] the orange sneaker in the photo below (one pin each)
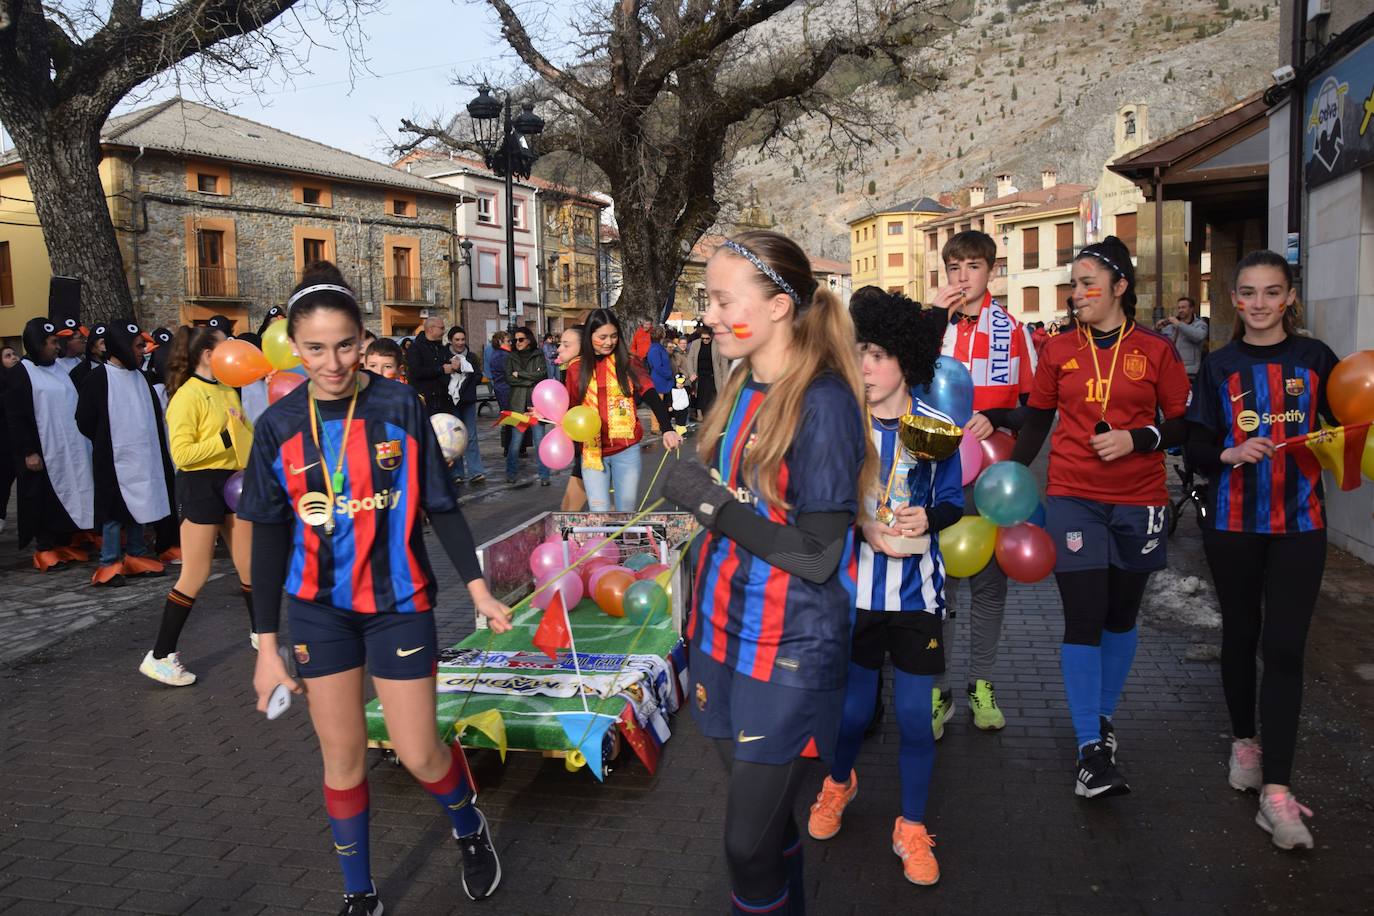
(44, 560)
(143, 566)
(913, 845)
(829, 807)
(111, 576)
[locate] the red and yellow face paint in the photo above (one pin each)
(742, 331)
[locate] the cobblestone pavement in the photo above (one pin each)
(122, 795)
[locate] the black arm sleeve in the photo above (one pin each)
(650, 399)
(1009, 417)
(1171, 433)
(456, 538)
(1033, 432)
(941, 515)
(271, 553)
(810, 549)
(1203, 449)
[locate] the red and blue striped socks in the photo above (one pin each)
(455, 793)
(348, 822)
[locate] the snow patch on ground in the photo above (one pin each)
(1181, 599)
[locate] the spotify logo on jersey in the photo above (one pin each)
(1248, 420)
(313, 508)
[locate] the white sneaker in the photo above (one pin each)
(1245, 772)
(253, 640)
(169, 670)
(1280, 815)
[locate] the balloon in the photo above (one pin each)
(452, 435)
(1006, 494)
(997, 447)
(967, 545)
(550, 399)
(640, 560)
(970, 458)
(651, 573)
(569, 586)
(237, 363)
(1025, 552)
(951, 391)
(1351, 388)
(282, 384)
(555, 449)
(1038, 516)
(276, 346)
(590, 568)
(582, 424)
(645, 601)
(547, 559)
(233, 489)
(611, 586)
(603, 567)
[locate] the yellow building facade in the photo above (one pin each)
(887, 248)
(1041, 244)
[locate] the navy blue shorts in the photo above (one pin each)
(768, 723)
(397, 647)
(1088, 534)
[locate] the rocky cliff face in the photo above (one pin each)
(1026, 90)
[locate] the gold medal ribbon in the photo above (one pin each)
(1104, 391)
(333, 482)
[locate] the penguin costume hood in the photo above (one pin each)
(220, 323)
(118, 410)
(94, 355)
(275, 313)
(67, 328)
(160, 350)
(40, 401)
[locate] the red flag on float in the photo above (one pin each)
(644, 745)
(552, 633)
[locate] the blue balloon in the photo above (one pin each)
(1038, 516)
(951, 391)
(1006, 494)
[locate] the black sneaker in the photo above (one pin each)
(1096, 775)
(1108, 732)
(481, 867)
(364, 904)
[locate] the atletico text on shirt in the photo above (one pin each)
(996, 353)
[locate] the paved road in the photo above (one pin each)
(121, 795)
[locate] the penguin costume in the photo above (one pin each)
(275, 313)
(254, 394)
(53, 459)
(119, 412)
(95, 355)
(67, 328)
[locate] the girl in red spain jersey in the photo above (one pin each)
(1265, 535)
(340, 472)
(788, 452)
(1109, 379)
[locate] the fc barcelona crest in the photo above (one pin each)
(1294, 387)
(388, 454)
(1135, 365)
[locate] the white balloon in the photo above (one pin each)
(452, 435)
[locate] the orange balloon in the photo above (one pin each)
(237, 363)
(610, 591)
(1351, 388)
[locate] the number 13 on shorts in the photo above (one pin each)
(1154, 523)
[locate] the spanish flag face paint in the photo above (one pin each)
(742, 331)
(1093, 292)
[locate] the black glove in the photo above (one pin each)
(692, 487)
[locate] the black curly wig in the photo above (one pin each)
(902, 328)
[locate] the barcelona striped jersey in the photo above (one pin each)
(916, 583)
(1278, 392)
(748, 615)
(375, 560)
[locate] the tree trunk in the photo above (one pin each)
(61, 154)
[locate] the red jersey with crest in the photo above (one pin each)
(1148, 381)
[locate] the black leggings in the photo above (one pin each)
(1099, 599)
(759, 822)
(1286, 572)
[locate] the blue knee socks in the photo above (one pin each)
(455, 793)
(348, 822)
(860, 699)
(917, 758)
(1118, 653)
(1083, 683)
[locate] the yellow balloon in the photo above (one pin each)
(1367, 459)
(276, 346)
(967, 545)
(582, 424)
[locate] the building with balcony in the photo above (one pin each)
(569, 253)
(1040, 243)
(217, 214)
(887, 249)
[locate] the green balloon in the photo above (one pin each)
(645, 601)
(640, 560)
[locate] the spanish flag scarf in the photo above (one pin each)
(619, 420)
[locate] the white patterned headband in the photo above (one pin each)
(1094, 253)
(319, 288)
(764, 269)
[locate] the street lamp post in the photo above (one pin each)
(505, 146)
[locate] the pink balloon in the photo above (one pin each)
(970, 458)
(547, 559)
(570, 587)
(997, 447)
(550, 399)
(1025, 552)
(600, 571)
(652, 572)
(556, 450)
(589, 568)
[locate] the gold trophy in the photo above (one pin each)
(931, 440)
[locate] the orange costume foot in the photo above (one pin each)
(111, 576)
(143, 566)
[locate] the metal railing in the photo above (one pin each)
(212, 283)
(404, 289)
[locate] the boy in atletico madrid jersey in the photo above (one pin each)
(896, 573)
(769, 626)
(994, 347)
(340, 472)
(1265, 535)
(1105, 509)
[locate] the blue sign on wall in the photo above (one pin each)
(1339, 133)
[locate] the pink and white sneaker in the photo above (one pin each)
(1245, 774)
(1280, 815)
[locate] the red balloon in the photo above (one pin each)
(997, 447)
(588, 569)
(1025, 552)
(282, 384)
(650, 573)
